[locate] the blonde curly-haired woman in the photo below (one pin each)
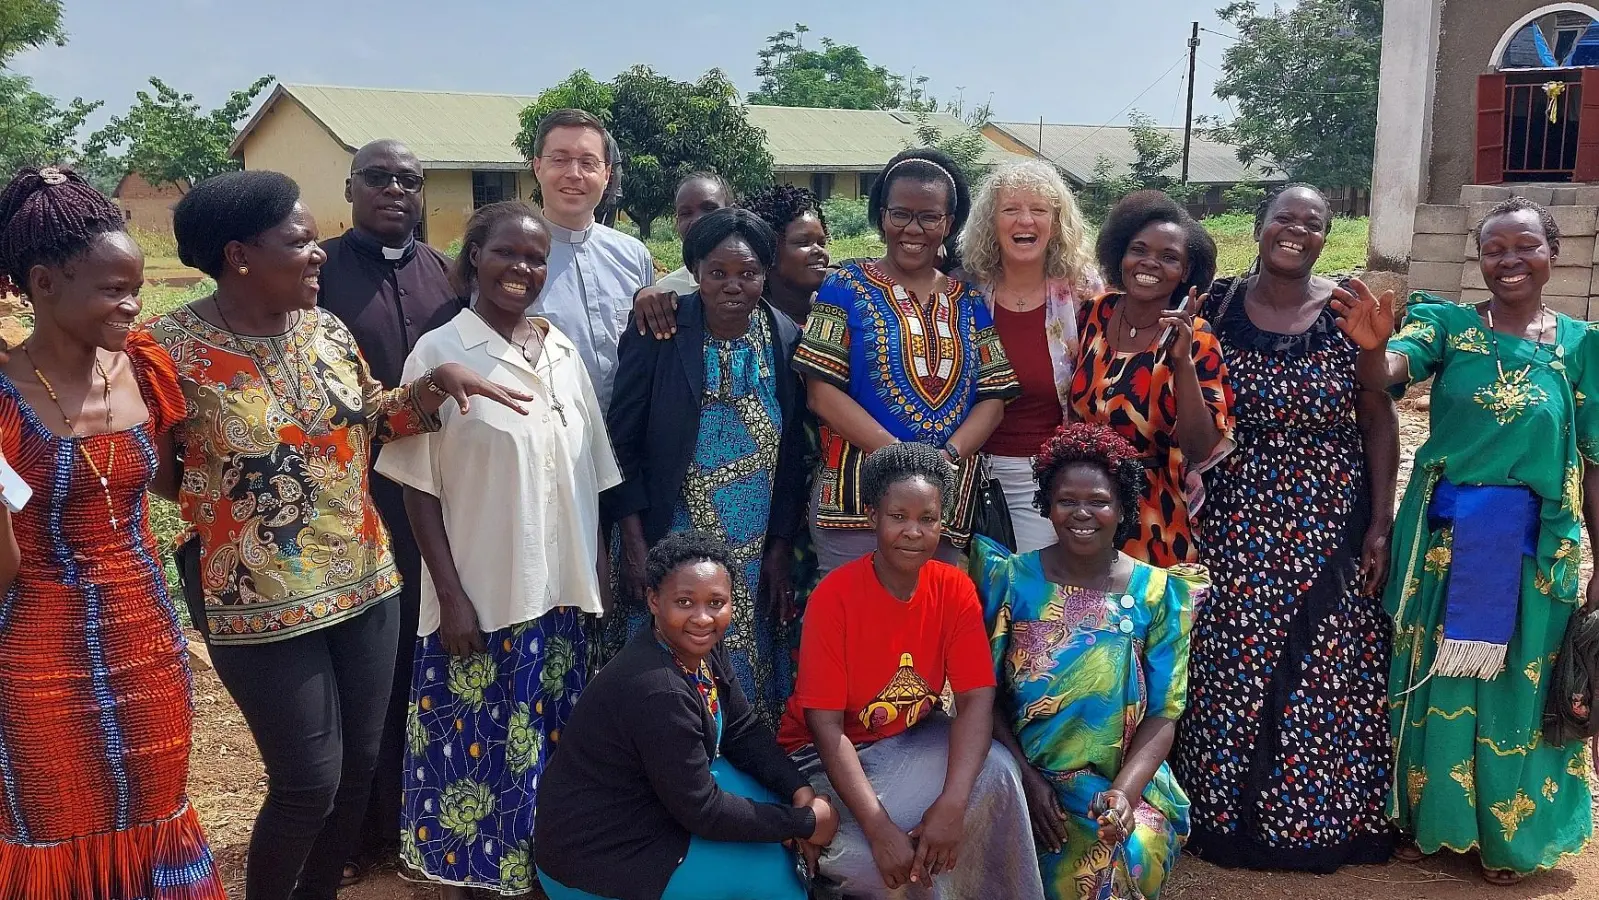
(1026, 244)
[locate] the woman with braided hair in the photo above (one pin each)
(94, 681)
(802, 260)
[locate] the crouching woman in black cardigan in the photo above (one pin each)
(666, 786)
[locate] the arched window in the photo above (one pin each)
(1560, 35)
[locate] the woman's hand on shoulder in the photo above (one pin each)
(655, 312)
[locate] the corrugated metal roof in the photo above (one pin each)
(845, 140)
(461, 130)
(445, 129)
(1076, 149)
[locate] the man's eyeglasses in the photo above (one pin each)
(588, 165)
(902, 218)
(378, 179)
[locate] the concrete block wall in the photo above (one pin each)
(1443, 256)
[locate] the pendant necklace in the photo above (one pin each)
(1512, 394)
(527, 355)
(110, 425)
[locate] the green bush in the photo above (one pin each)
(846, 218)
(1243, 198)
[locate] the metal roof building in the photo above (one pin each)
(1076, 149)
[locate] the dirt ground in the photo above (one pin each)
(226, 786)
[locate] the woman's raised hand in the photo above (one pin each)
(1367, 319)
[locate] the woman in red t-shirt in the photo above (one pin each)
(883, 635)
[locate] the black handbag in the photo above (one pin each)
(991, 517)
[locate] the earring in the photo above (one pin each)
(244, 270)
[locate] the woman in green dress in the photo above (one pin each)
(1091, 647)
(1487, 551)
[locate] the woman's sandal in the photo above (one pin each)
(1501, 877)
(1406, 851)
(354, 873)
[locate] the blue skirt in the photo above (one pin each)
(479, 732)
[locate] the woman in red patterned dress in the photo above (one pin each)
(94, 682)
(1155, 376)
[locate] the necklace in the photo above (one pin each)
(110, 425)
(543, 356)
(1493, 336)
(1024, 302)
(1132, 330)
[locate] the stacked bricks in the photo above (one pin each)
(1443, 257)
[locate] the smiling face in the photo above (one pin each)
(285, 262)
(94, 297)
(693, 607)
(695, 198)
(911, 246)
(1024, 222)
(572, 173)
(802, 254)
(388, 213)
(731, 282)
(512, 264)
(1516, 256)
(1294, 232)
(908, 523)
(1156, 262)
(1085, 509)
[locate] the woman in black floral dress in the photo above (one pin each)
(1284, 750)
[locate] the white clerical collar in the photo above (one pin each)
(393, 254)
(568, 236)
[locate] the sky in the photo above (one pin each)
(1069, 61)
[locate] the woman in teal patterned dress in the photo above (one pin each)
(1092, 651)
(708, 431)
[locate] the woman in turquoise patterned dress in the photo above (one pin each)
(1092, 651)
(708, 431)
(1487, 553)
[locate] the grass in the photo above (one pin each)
(1234, 234)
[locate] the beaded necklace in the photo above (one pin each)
(110, 425)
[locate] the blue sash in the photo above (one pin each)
(1494, 527)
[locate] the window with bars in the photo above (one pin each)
(492, 187)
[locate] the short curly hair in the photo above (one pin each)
(1272, 196)
(1136, 212)
(781, 204)
(930, 165)
(1096, 445)
(1551, 228)
(682, 548)
(903, 461)
(235, 206)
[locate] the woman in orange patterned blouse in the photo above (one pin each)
(290, 566)
(1153, 374)
(94, 680)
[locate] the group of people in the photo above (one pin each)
(1007, 564)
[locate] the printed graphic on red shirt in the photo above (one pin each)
(907, 696)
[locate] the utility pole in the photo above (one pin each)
(1188, 125)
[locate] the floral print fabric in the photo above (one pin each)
(1472, 768)
(1080, 670)
(479, 732)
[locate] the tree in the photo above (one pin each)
(34, 130)
(1157, 156)
(170, 139)
(837, 76)
(967, 147)
(1305, 82)
(665, 129)
(25, 24)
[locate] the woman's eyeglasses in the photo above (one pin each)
(902, 218)
(378, 179)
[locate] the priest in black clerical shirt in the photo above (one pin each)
(390, 289)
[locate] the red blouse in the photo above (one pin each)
(1031, 418)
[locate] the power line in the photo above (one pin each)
(1179, 61)
(1219, 34)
